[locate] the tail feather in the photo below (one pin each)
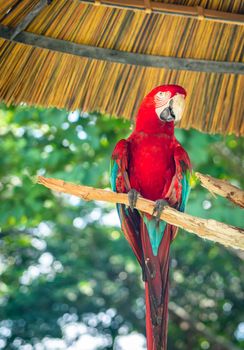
(157, 288)
(157, 333)
(148, 320)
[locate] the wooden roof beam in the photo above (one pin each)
(29, 17)
(123, 57)
(196, 12)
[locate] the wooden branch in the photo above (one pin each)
(209, 229)
(200, 327)
(124, 57)
(222, 188)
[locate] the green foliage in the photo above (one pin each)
(62, 260)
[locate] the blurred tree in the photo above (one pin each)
(66, 269)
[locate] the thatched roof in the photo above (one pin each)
(105, 58)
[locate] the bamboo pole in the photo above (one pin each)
(222, 188)
(208, 229)
(196, 12)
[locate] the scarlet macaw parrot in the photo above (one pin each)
(153, 164)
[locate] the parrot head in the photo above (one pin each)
(163, 105)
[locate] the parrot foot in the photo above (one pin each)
(159, 207)
(132, 197)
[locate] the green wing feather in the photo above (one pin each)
(186, 188)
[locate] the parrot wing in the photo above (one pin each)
(184, 170)
(130, 219)
(183, 175)
(178, 192)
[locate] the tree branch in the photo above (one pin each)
(210, 229)
(222, 188)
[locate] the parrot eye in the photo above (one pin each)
(162, 95)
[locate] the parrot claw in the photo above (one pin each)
(132, 197)
(159, 207)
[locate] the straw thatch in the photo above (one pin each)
(61, 77)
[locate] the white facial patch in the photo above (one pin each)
(176, 104)
(161, 98)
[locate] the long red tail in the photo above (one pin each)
(162, 344)
(157, 289)
(148, 320)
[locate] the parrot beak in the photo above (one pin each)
(167, 113)
(173, 110)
